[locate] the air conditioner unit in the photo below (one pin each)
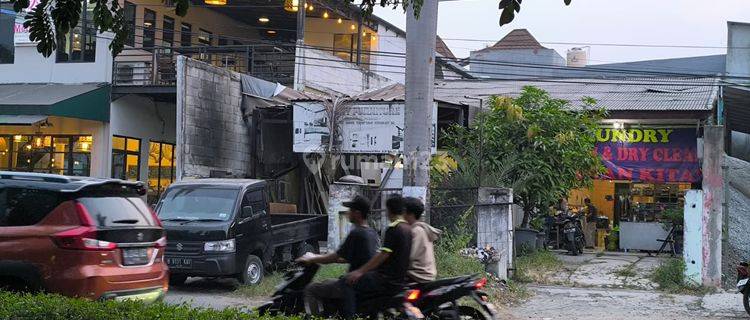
(132, 73)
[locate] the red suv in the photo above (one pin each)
(80, 237)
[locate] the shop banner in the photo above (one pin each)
(654, 155)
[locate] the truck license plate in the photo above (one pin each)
(179, 263)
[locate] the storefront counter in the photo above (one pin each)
(642, 235)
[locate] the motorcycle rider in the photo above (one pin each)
(422, 266)
(385, 273)
(360, 245)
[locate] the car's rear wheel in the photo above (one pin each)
(252, 274)
(177, 279)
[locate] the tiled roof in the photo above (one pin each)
(517, 39)
(442, 48)
(636, 94)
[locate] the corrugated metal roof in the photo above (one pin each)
(637, 94)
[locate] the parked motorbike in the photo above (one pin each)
(743, 275)
(572, 238)
(439, 299)
(289, 300)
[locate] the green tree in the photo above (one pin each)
(541, 146)
(51, 18)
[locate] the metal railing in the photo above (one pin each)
(156, 66)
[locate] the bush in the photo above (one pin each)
(56, 307)
(670, 276)
(537, 266)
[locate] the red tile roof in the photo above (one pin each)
(517, 39)
(442, 48)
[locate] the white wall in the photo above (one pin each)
(391, 42)
(29, 66)
(738, 56)
(137, 116)
(100, 150)
(339, 76)
(525, 56)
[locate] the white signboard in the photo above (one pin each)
(21, 33)
(365, 128)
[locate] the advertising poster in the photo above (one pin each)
(375, 128)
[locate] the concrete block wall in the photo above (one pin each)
(211, 132)
(736, 246)
(495, 227)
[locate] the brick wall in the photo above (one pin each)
(211, 132)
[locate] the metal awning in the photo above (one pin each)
(20, 120)
(81, 101)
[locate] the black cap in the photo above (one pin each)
(360, 204)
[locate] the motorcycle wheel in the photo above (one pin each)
(467, 312)
(745, 298)
(572, 247)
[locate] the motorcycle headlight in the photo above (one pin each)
(219, 246)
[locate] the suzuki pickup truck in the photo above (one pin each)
(223, 228)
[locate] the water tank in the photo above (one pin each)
(578, 57)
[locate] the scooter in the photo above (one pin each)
(439, 299)
(572, 238)
(289, 300)
(743, 287)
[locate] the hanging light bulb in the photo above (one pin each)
(339, 21)
(291, 5)
(325, 15)
(353, 27)
(263, 19)
(310, 7)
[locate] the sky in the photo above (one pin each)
(652, 22)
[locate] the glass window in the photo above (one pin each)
(109, 210)
(129, 15)
(343, 46)
(126, 158)
(186, 31)
(205, 37)
(68, 155)
(167, 36)
(79, 45)
(160, 169)
(7, 25)
(25, 207)
(149, 28)
(198, 202)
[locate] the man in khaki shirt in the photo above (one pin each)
(422, 266)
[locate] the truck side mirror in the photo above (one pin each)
(247, 211)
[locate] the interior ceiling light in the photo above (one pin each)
(339, 20)
(215, 2)
(291, 5)
(353, 27)
(271, 31)
(310, 7)
(325, 15)
(263, 19)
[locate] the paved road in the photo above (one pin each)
(556, 302)
(206, 293)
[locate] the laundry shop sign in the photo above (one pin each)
(654, 155)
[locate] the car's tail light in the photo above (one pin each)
(480, 283)
(156, 217)
(83, 215)
(413, 295)
(161, 243)
(81, 238)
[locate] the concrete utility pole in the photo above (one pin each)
(420, 78)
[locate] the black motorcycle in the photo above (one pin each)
(572, 234)
(743, 287)
(289, 300)
(439, 299)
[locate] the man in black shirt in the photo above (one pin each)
(385, 273)
(360, 246)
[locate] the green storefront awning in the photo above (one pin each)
(81, 101)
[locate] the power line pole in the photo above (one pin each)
(420, 77)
